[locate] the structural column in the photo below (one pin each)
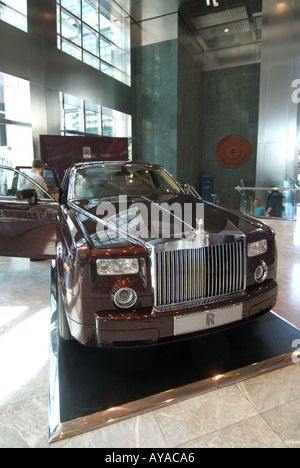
(278, 142)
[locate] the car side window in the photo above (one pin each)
(11, 181)
(7, 183)
(28, 183)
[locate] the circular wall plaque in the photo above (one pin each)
(233, 151)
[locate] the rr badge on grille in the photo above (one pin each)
(210, 319)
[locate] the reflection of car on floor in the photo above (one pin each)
(140, 260)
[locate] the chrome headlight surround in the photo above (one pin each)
(261, 272)
(117, 266)
(257, 248)
(125, 298)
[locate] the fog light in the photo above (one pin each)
(261, 272)
(125, 298)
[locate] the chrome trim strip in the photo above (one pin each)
(113, 415)
(198, 302)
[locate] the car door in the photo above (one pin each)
(27, 217)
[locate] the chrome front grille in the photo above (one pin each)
(197, 274)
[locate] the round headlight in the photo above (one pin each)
(125, 298)
(261, 272)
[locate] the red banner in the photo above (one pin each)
(61, 152)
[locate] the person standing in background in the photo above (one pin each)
(274, 205)
(259, 209)
(36, 173)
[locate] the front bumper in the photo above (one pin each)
(157, 328)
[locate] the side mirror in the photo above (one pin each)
(27, 194)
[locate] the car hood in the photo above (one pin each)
(160, 218)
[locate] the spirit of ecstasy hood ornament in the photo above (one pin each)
(199, 234)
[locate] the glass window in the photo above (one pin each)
(111, 25)
(90, 13)
(79, 117)
(111, 71)
(26, 183)
(11, 181)
(99, 181)
(71, 49)
(84, 117)
(15, 98)
(96, 32)
(90, 41)
(73, 114)
(73, 118)
(6, 183)
(14, 12)
(70, 28)
(92, 122)
(74, 6)
(92, 118)
(115, 123)
(107, 124)
(16, 146)
(91, 60)
(105, 26)
(19, 149)
(112, 55)
(106, 50)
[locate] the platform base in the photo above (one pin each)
(91, 388)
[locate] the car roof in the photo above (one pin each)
(115, 163)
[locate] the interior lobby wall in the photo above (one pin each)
(183, 112)
(168, 92)
(230, 106)
(278, 136)
(190, 103)
(155, 81)
(155, 75)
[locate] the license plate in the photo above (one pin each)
(208, 319)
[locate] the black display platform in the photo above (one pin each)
(90, 387)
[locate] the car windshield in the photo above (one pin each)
(103, 181)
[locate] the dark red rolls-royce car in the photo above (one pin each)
(140, 259)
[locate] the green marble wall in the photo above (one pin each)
(155, 75)
(190, 103)
(230, 106)
(181, 114)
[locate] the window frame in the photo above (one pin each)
(117, 118)
(120, 48)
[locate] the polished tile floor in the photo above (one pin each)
(263, 411)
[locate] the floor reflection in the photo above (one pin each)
(24, 329)
(288, 242)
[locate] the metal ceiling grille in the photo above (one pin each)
(220, 17)
(232, 23)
